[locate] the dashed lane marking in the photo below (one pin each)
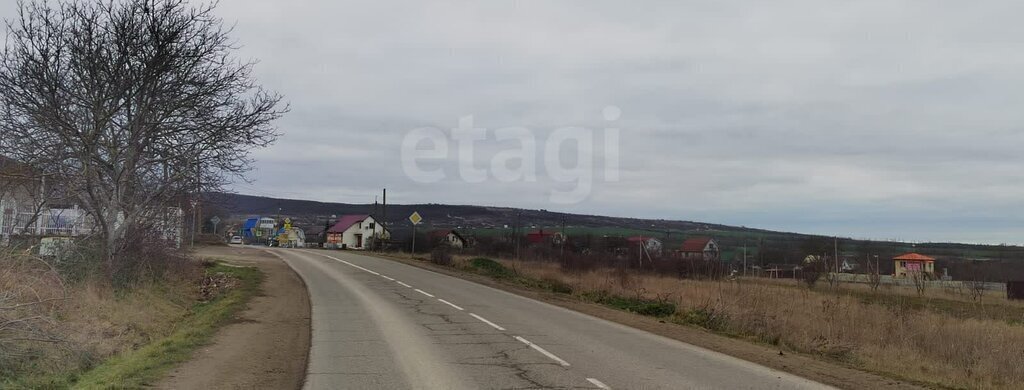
(543, 351)
(424, 293)
(450, 304)
(484, 320)
(599, 384)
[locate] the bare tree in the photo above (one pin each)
(129, 105)
(920, 281)
(873, 273)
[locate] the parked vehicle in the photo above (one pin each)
(236, 240)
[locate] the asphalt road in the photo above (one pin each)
(380, 324)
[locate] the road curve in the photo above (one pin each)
(380, 324)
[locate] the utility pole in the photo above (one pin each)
(836, 254)
(516, 233)
(744, 259)
(561, 254)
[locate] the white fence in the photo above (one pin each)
(50, 222)
(889, 280)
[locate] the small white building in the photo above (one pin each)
(355, 232)
(649, 245)
(450, 238)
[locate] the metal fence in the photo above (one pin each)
(50, 222)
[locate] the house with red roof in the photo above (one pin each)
(540, 237)
(650, 245)
(700, 248)
(356, 231)
(909, 264)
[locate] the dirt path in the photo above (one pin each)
(267, 347)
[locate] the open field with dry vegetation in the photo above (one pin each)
(943, 339)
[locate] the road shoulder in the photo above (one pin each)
(267, 346)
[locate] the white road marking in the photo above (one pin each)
(406, 285)
(484, 320)
(543, 351)
(343, 261)
(599, 384)
(388, 278)
(449, 304)
(424, 293)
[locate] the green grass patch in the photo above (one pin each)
(645, 307)
(494, 269)
(140, 367)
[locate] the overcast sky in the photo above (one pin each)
(881, 119)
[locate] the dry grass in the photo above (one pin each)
(899, 337)
(84, 323)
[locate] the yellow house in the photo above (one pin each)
(911, 263)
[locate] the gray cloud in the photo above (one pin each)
(883, 119)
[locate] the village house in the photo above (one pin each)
(540, 237)
(650, 245)
(355, 232)
(31, 207)
(451, 238)
(700, 248)
(911, 264)
(258, 229)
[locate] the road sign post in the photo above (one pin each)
(416, 219)
(215, 220)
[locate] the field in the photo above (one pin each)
(941, 338)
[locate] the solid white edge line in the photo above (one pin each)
(543, 351)
(599, 384)
(388, 278)
(449, 304)
(484, 320)
(424, 293)
(343, 261)
(403, 283)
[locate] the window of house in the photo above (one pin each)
(371, 225)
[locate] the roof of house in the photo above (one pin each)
(539, 236)
(696, 244)
(914, 257)
(346, 221)
(314, 229)
(250, 223)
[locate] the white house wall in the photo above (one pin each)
(349, 236)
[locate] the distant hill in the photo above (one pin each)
(452, 216)
(763, 245)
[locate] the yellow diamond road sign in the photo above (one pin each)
(415, 218)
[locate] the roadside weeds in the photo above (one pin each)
(142, 366)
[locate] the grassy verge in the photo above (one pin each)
(138, 367)
(127, 341)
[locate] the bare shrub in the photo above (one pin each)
(811, 271)
(873, 273)
(976, 289)
(441, 256)
(920, 282)
(30, 291)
